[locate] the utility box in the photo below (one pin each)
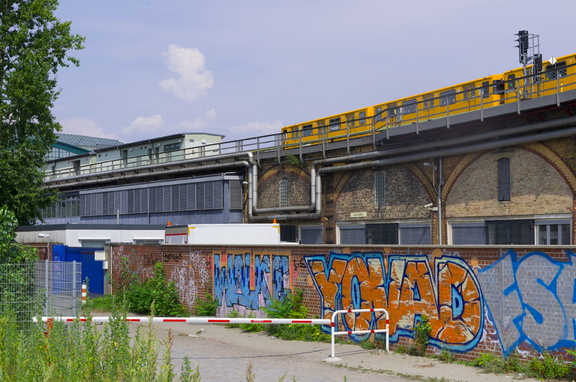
(264, 234)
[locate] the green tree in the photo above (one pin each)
(10, 251)
(34, 44)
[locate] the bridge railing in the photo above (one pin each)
(515, 91)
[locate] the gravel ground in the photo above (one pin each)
(224, 354)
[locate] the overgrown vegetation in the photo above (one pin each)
(155, 295)
(422, 331)
(207, 306)
(546, 366)
(292, 306)
(81, 352)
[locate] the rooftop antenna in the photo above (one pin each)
(529, 51)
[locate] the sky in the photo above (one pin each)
(245, 68)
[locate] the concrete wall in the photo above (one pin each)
(516, 300)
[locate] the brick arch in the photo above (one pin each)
(457, 172)
(555, 161)
(277, 170)
(266, 186)
(538, 149)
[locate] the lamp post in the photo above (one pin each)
(46, 236)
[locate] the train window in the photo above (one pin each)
(469, 91)
(409, 106)
(363, 117)
(321, 127)
(428, 101)
(448, 97)
(485, 90)
(558, 70)
(511, 82)
(350, 119)
(307, 130)
(498, 87)
(392, 110)
(334, 124)
(378, 114)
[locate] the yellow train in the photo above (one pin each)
(553, 76)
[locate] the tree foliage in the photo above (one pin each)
(10, 251)
(34, 44)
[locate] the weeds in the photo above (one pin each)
(79, 351)
(292, 306)
(207, 306)
(422, 331)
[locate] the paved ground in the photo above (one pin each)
(223, 354)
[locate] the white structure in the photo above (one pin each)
(223, 234)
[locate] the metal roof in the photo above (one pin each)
(87, 142)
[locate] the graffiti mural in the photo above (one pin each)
(532, 300)
(247, 282)
(189, 275)
(447, 292)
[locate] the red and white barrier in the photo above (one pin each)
(242, 320)
(334, 333)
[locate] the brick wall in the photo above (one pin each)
(478, 299)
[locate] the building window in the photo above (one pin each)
(469, 234)
(288, 233)
(510, 232)
(415, 234)
(311, 235)
(379, 188)
(172, 147)
(284, 192)
(503, 179)
(553, 233)
(382, 234)
(352, 234)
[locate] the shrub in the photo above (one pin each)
(155, 296)
(207, 306)
(422, 331)
(291, 306)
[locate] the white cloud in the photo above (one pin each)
(191, 79)
(146, 125)
(84, 126)
(258, 128)
(198, 124)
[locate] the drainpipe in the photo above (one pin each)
(439, 200)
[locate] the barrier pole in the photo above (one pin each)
(334, 332)
(244, 320)
(198, 320)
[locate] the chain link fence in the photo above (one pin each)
(40, 288)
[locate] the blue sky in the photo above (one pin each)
(243, 68)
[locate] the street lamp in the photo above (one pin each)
(46, 236)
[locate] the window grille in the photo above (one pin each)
(379, 188)
(504, 179)
(284, 192)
